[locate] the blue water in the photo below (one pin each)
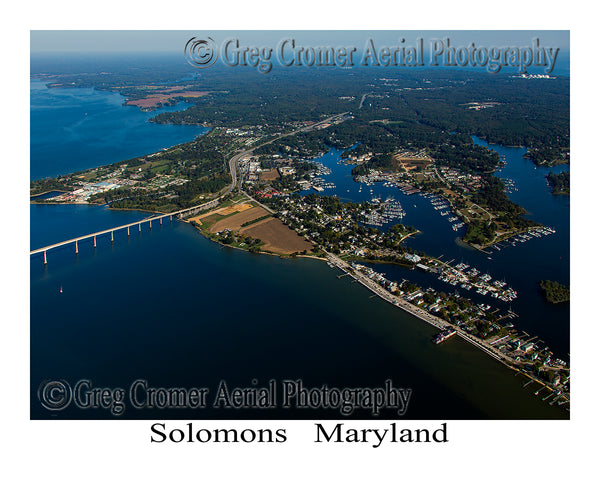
(55, 223)
(521, 266)
(74, 129)
(171, 307)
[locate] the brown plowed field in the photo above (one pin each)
(410, 162)
(271, 174)
(278, 237)
(156, 99)
(235, 221)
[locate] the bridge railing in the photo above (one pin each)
(183, 213)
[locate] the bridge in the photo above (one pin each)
(186, 212)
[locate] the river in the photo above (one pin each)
(74, 129)
(521, 266)
(178, 310)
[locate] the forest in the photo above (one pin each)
(430, 111)
(554, 292)
(560, 183)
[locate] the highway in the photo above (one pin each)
(233, 168)
(212, 203)
(233, 161)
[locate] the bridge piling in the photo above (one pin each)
(180, 214)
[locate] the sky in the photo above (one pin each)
(174, 40)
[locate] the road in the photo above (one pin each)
(462, 196)
(413, 310)
(362, 100)
(233, 161)
(151, 218)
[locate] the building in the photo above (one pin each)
(412, 257)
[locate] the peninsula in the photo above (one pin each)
(256, 160)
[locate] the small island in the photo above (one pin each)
(554, 292)
(560, 183)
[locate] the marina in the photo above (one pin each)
(440, 238)
(93, 270)
(387, 211)
(509, 346)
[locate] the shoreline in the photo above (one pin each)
(334, 260)
(45, 192)
(280, 255)
(405, 306)
(433, 320)
(409, 308)
(376, 289)
(347, 269)
(383, 294)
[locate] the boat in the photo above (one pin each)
(444, 335)
(60, 290)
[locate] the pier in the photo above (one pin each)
(75, 241)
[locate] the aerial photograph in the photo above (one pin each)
(290, 225)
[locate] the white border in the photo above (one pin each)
(120, 449)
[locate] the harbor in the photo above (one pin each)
(367, 315)
(504, 262)
(515, 349)
(388, 211)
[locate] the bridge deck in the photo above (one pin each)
(91, 235)
(121, 227)
(212, 203)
